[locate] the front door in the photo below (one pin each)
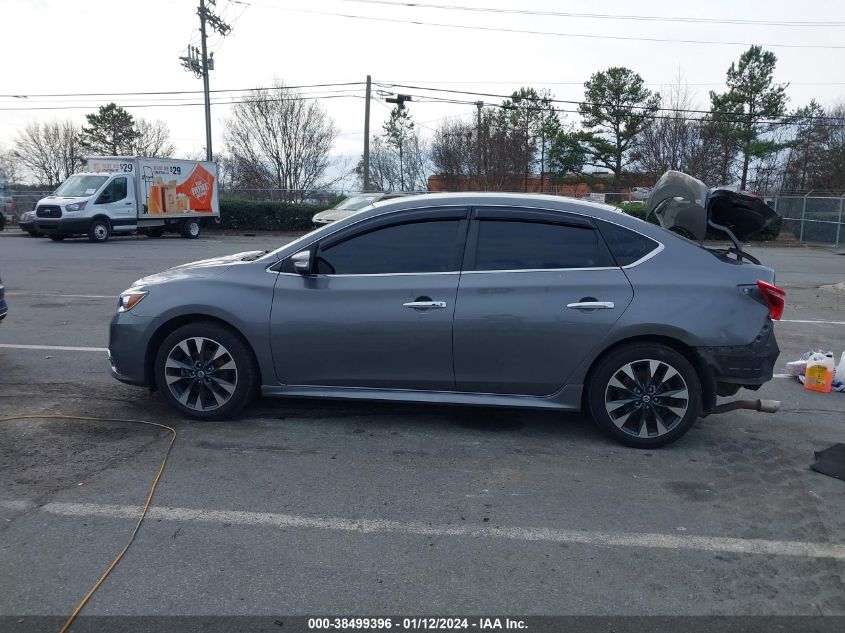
(539, 290)
(376, 310)
(117, 201)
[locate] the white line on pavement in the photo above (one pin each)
(58, 348)
(807, 321)
(417, 528)
(51, 294)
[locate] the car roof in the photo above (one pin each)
(515, 200)
(524, 200)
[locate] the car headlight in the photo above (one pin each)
(29, 215)
(76, 206)
(129, 299)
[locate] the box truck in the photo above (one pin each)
(122, 195)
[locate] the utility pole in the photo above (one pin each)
(367, 136)
(479, 105)
(200, 62)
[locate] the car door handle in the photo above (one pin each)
(129, 204)
(591, 305)
(425, 305)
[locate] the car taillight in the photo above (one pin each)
(775, 298)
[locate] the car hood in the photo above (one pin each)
(203, 268)
(685, 205)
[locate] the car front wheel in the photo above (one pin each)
(205, 371)
(644, 395)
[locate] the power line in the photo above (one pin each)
(93, 101)
(591, 36)
(567, 101)
(524, 82)
(199, 103)
(725, 118)
(177, 92)
(601, 16)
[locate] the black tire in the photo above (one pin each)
(57, 238)
(99, 230)
(199, 390)
(621, 406)
(155, 232)
(190, 229)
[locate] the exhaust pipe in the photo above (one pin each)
(763, 406)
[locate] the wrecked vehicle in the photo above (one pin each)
(495, 299)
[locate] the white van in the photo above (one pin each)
(120, 195)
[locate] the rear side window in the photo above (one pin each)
(627, 246)
(523, 245)
(418, 247)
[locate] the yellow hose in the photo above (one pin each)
(147, 504)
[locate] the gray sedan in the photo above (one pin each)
(476, 299)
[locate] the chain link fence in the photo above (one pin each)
(812, 218)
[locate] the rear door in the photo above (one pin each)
(538, 291)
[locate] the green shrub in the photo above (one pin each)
(242, 214)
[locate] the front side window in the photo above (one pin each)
(114, 191)
(417, 247)
(527, 245)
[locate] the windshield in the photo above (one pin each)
(354, 203)
(78, 186)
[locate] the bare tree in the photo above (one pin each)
(152, 139)
(10, 167)
(672, 139)
(277, 138)
(453, 154)
(50, 151)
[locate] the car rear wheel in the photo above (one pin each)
(205, 371)
(644, 395)
(99, 231)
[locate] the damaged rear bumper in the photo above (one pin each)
(746, 366)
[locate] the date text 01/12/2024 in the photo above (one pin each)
(416, 624)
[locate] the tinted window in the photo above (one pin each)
(420, 247)
(504, 245)
(626, 246)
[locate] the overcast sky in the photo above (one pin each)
(107, 46)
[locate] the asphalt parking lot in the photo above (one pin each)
(304, 507)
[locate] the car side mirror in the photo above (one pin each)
(302, 262)
(104, 198)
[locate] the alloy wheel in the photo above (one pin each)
(646, 398)
(201, 374)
